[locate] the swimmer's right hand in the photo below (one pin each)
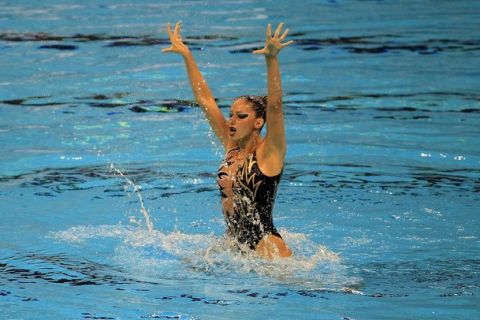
(177, 45)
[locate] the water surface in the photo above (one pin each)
(380, 189)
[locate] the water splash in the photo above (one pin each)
(136, 190)
(155, 255)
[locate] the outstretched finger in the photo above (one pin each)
(169, 30)
(177, 28)
(287, 43)
(167, 49)
(269, 31)
(279, 29)
(284, 35)
(259, 51)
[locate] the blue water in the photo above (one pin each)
(379, 198)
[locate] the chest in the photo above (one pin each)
(229, 169)
(233, 168)
(240, 177)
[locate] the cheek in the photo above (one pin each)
(247, 124)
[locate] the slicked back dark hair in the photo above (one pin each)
(259, 105)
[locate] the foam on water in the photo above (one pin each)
(177, 255)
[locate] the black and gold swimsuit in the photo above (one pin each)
(248, 197)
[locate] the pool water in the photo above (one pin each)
(108, 199)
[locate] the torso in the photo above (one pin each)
(248, 197)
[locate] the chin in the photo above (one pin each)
(235, 139)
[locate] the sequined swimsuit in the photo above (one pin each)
(247, 199)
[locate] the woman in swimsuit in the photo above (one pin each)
(250, 172)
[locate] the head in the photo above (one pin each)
(247, 115)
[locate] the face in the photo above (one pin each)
(243, 121)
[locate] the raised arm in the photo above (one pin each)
(201, 91)
(275, 143)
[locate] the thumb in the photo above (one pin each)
(259, 51)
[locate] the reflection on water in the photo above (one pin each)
(374, 44)
(324, 177)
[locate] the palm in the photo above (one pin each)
(176, 39)
(274, 44)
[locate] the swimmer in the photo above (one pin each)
(248, 176)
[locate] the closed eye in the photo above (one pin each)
(242, 115)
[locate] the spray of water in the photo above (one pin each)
(182, 256)
(136, 189)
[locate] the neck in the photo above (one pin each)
(249, 143)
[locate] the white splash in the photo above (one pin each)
(177, 255)
(136, 189)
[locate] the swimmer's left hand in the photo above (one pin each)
(274, 44)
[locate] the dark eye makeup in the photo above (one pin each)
(240, 115)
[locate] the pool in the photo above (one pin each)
(108, 199)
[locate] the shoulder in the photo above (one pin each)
(269, 163)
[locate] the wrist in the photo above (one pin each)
(271, 59)
(187, 54)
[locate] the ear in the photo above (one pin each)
(259, 123)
